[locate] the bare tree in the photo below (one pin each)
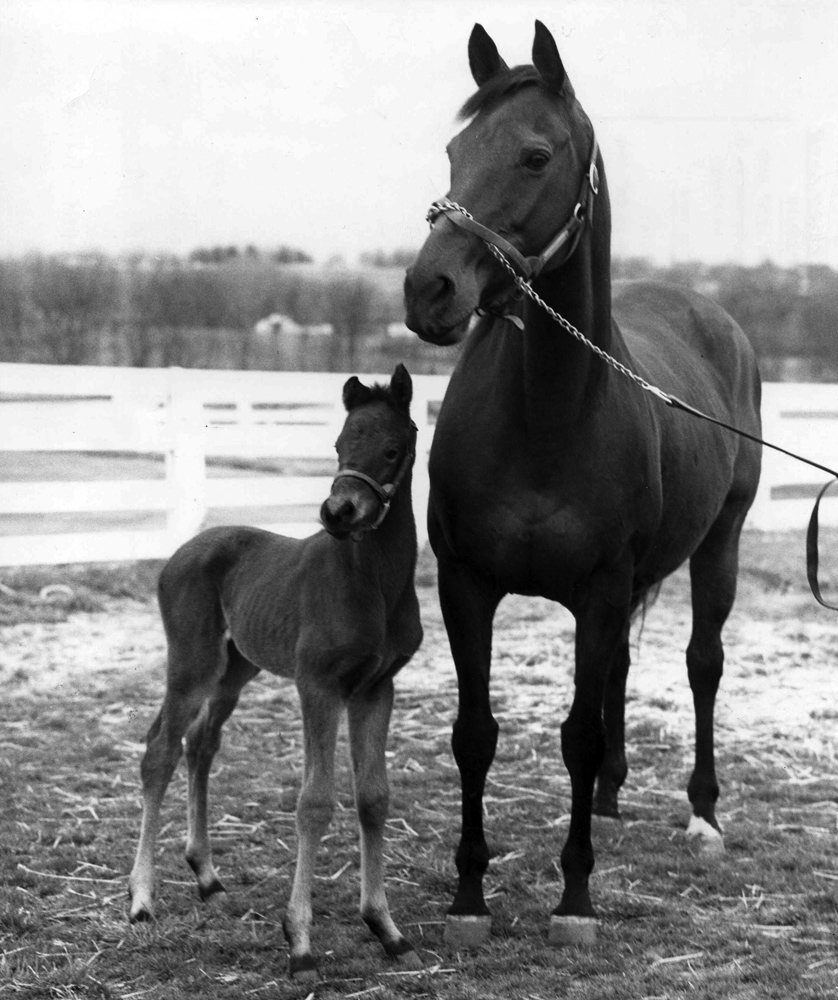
(12, 312)
(73, 302)
(351, 303)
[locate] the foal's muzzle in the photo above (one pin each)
(357, 504)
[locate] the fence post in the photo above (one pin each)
(185, 457)
(421, 480)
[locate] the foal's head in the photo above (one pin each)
(516, 167)
(375, 450)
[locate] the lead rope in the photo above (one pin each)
(812, 532)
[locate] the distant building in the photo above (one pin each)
(278, 325)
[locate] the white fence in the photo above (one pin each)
(251, 448)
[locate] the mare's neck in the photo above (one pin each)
(563, 377)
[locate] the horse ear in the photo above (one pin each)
(483, 57)
(401, 387)
(548, 62)
(355, 393)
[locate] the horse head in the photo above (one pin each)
(516, 169)
(375, 450)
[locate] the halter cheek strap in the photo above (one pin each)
(386, 491)
(570, 233)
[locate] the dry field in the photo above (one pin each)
(82, 670)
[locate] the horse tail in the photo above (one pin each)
(642, 600)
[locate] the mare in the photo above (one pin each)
(339, 617)
(552, 473)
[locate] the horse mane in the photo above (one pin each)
(499, 86)
(383, 393)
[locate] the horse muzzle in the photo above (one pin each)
(349, 513)
(443, 288)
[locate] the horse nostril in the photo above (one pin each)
(445, 285)
(334, 513)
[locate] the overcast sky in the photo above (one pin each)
(171, 124)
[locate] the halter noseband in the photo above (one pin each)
(531, 267)
(385, 492)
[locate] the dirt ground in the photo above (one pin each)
(759, 922)
(780, 674)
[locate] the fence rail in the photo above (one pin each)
(104, 464)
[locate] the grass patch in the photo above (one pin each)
(52, 593)
(757, 923)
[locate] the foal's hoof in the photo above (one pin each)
(703, 839)
(303, 969)
(139, 912)
(579, 932)
(142, 915)
(463, 931)
(409, 961)
(207, 891)
(403, 954)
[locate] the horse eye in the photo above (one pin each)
(391, 454)
(537, 161)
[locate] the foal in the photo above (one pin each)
(340, 617)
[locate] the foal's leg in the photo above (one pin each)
(600, 628)
(369, 720)
(713, 569)
(468, 606)
(321, 710)
(202, 742)
(192, 669)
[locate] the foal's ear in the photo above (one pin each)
(355, 393)
(548, 62)
(483, 57)
(401, 387)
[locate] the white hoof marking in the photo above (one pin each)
(708, 839)
(699, 827)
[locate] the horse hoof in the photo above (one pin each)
(409, 961)
(206, 891)
(142, 915)
(606, 827)
(303, 969)
(704, 840)
(467, 931)
(572, 931)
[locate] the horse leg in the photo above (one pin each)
(321, 710)
(713, 569)
(614, 768)
(468, 606)
(203, 738)
(369, 720)
(600, 628)
(187, 686)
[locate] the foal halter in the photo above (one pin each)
(531, 267)
(386, 491)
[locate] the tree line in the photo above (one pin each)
(202, 311)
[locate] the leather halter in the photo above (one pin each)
(386, 491)
(571, 232)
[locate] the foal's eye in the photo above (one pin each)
(537, 161)
(391, 454)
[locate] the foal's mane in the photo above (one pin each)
(383, 393)
(499, 86)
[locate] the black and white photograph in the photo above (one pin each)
(418, 499)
